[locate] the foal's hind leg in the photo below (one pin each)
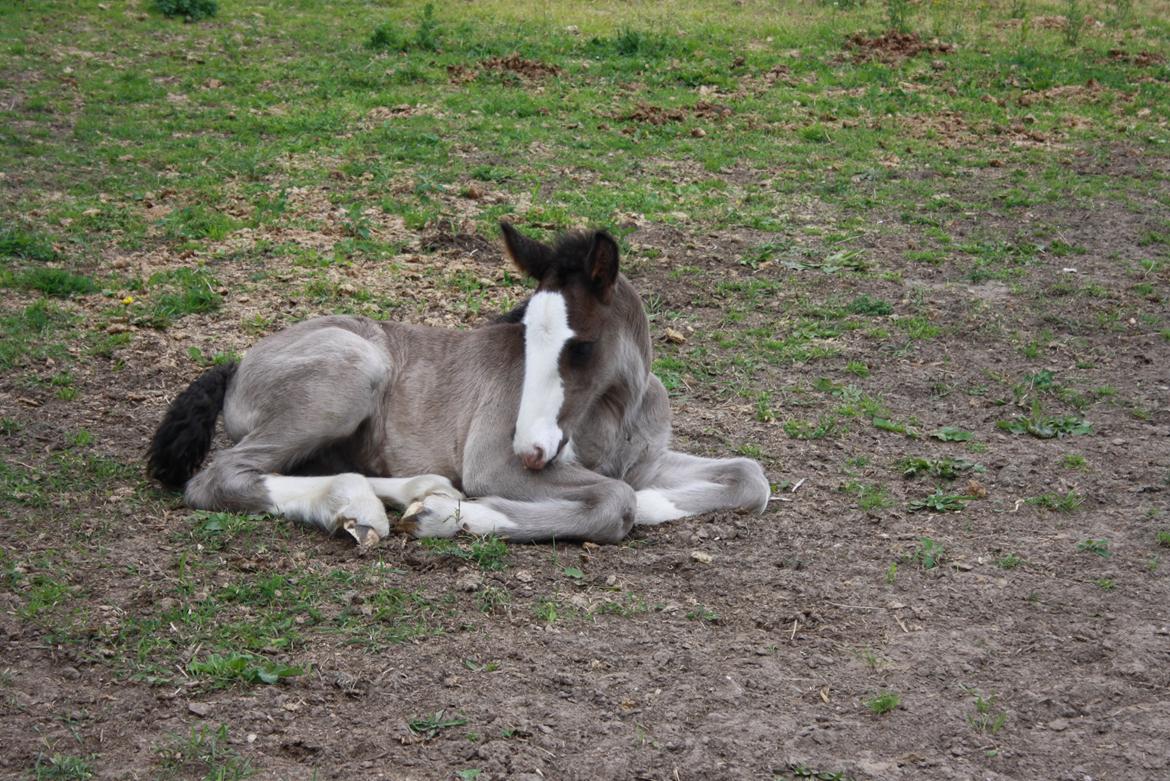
(677, 485)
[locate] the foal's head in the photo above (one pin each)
(585, 334)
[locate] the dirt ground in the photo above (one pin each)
(720, 647)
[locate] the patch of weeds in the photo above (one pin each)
(869, 497)
(215, 530)
(429, 727)
(488, 553)
(627, 605)
(986, 718)
(857, 368)
(1009, 561)
(883, 703)
(206, 754)
(218, 359)
(1074, 461)
(928, 553)
(1046, 427)
(1096, 547)
(492, 599)
(1062, 503)
(62, 767)
(43, 594)
(246, 668)
(547, 610)
(945, 468)
(704, 614)
(939, 501)
(1105, 584)
(951, 434)
(1162, 537)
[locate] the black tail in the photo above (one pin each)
(184, 436)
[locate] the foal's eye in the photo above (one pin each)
(579, 352)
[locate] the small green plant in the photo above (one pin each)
(1096, 547)
(892, 573)
(546, 610)
(1074, 21)
(883, 703)
(869, 497)
(489, 553)
(1105, 584)
(428, 727)
(1009, 561)
(1074, 461)
(928, 553)
(385, 36)
(19, 243)
(939, 501)
(864, 305)
(1162, 537)
(986, 718)
(702, 613)
(951, 434)
(50, 281)
(191, 10)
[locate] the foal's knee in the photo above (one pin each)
(225, 486)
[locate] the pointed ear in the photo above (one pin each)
(530, 256)
(602, 265)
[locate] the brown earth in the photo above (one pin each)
(752, 659)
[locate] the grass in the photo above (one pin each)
(205, 752)
(241, 668)
(429, 727)
(1063, 503)
(490, 553)
(883, 703)
(63, 767)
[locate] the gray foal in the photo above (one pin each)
(546, 424)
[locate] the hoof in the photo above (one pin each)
(430, 518)
(365, 536)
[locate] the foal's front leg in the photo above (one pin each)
(562, 501)
(677, 485)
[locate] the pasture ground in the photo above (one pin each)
(923, 278)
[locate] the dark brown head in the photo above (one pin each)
(582, 328)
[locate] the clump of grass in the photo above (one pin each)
(197, 222)
(55, 282)
(869, 497)
(488, 553)
(986, 718)
(63, 766)
(429, 727)
(190, 10)
(1009, 561)
(1163, 538)
(387, 36)
(26, 245)
(1063, 503)
(205, 753)
(883, 703)
(928, 553)
(185, 291)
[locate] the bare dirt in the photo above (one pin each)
(752, 659)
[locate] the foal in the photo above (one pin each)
(548, 419)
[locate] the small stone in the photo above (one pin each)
(471, 581)
(698, 132)
(523, 575)
(199, 708)
(1058, 725)
(702, 556)
(674, 337)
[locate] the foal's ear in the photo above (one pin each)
(529, 255)
(602, 264)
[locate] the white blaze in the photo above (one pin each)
(546, 329)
